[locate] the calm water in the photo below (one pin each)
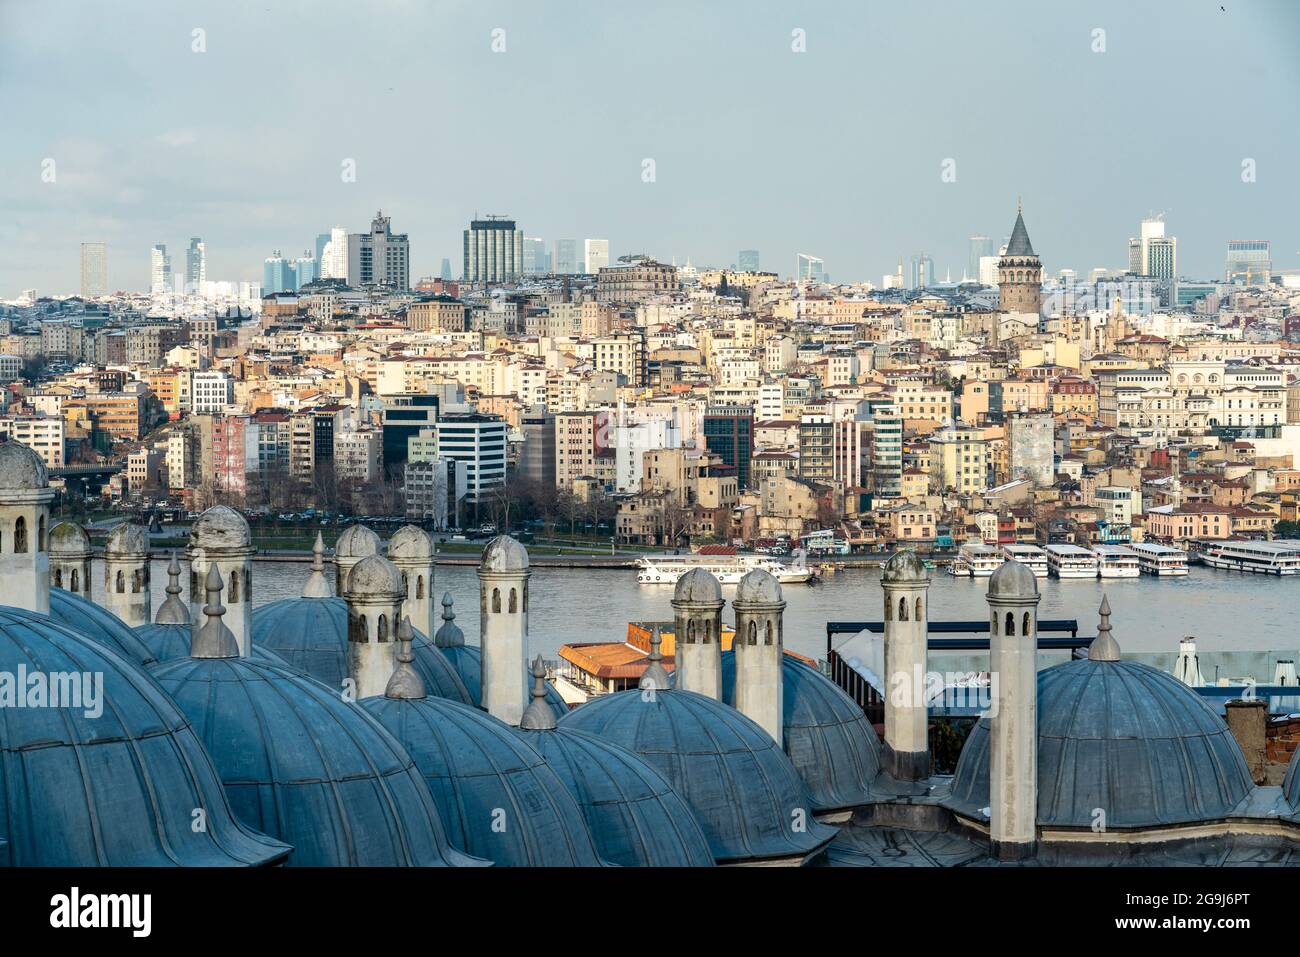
(1225, 611)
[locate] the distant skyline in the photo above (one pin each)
(838, 151)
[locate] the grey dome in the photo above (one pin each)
(21, 469)
(827, 737)
(1290, 784)
(98, 624)
(374, 577)
(474, 765)
(758, 586)
(1013, 580)
(167, 642)
(68, 540)
(904, 566)
(697, 585)
(309, 766)
(220, 527)
(311, 634)
(737, 780)
(114, 790)
(357, 541)
(129, 539)
(410, 543)
(504, 554)
(1122, 736)
(634, 815)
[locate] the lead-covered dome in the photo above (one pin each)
(357, 541)
(374, 577)
(21, 469)
(759, 587)
(827, 737)
(118, 788)
(309, 766)
(98, 624)
(220, 527)
(747, 796)
(498, 798)
(1124, 737)
(311, 634)
(635, 817)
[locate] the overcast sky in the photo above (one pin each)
(837, 151)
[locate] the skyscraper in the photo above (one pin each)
(494, 250)
(808, 267)
(1249, 261)
(565, 262)
(595, 255)
(1162, 257)
(334, 257)
(922, 271)
(160, 269)
(196, 266)
(980, 246)
(379, 256)
(747, 260)
(535, 259)
(321, 240)
(94, 270)
(275, 274)
(302, 270)
(729, 433)
(445, 273)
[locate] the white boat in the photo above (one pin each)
(728, 569)
(1031, 556)
(1261, 558)
(1117, 561)
(1160, 560)
(1072, 561)
(976, 561)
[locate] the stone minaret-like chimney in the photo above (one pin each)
(70, 558)
(126, 574)
(25, 496)
(214, 639)
(373, 593)
(697, 633)
(411, 550)
(503, 637)
(759, 646)
(906, 585)
(220, 537)
(356, 542)
(1013, 724)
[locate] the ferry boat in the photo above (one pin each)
(1160, 560)
(1031, 556)
(728, 569)
(976, 561)
(1072, 561)
(1263, 558)
(1117, 561)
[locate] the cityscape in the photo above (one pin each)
(372, 530)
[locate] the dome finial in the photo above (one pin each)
(655, 677)
(317, 585)
(1104, 647)
(406, 681)
(538, 716)
(214, 639)
(449, 634)
(173, 611)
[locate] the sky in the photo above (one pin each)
(114, 128)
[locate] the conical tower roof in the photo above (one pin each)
(1019, 245)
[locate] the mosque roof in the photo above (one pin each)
(356, 541)
(220, 527)
(1121, 736)
(301, 762)
(98, 624)
(138, 766)
(311, 634)
(68, 540)
(410, 542)
(740, 784)
(21, 469)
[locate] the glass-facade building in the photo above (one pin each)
(1249, 261)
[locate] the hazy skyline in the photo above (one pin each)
(837, 151)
